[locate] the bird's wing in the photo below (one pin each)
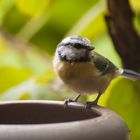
(103, 64)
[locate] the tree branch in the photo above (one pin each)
(123, 34)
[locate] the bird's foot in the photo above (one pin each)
(67, 101)
(89, 105)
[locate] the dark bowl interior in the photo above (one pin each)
(40, 113)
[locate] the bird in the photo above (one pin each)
(84, 70)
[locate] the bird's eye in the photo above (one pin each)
(78, 45)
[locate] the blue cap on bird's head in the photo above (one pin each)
(77, 42)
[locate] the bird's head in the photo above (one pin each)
(75, 49)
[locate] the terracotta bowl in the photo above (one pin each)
(49, 120)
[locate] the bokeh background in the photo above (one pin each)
(29, 33)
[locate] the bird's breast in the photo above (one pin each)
(81, 77)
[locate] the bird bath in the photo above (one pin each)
(49, 120)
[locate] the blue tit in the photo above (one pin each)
(85, 71)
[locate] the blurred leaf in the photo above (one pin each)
(46, 78)
(17, 92)
(13, 21)
(135, 5)
(137, 22)
(25, 96)
(32, 8)
(18, 55)
(35, 91)
(92, 24)
(5, 6)
(125, 100)
(66, 13)
(10, 77)
(2, 44)
(37, 62)
(32, 27)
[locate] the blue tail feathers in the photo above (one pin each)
(130, 74)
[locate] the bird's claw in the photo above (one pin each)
(67, 101)
(89, 105)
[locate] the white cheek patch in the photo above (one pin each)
(72, 52)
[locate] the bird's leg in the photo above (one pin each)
(93, 103)
(72, 100)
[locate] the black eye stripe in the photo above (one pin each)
(78, 45)
(75, 45)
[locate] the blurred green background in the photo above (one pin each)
(29, 33)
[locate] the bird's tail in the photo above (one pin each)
(130, 74)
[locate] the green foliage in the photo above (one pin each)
(124, 99)
(135, 4)
(5, 6)
(136, 8)
(94, 17)
(29, 33)
(32, 8)
(10, 77)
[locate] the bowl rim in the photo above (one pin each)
(106, 125)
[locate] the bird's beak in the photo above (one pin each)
(90, 48)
